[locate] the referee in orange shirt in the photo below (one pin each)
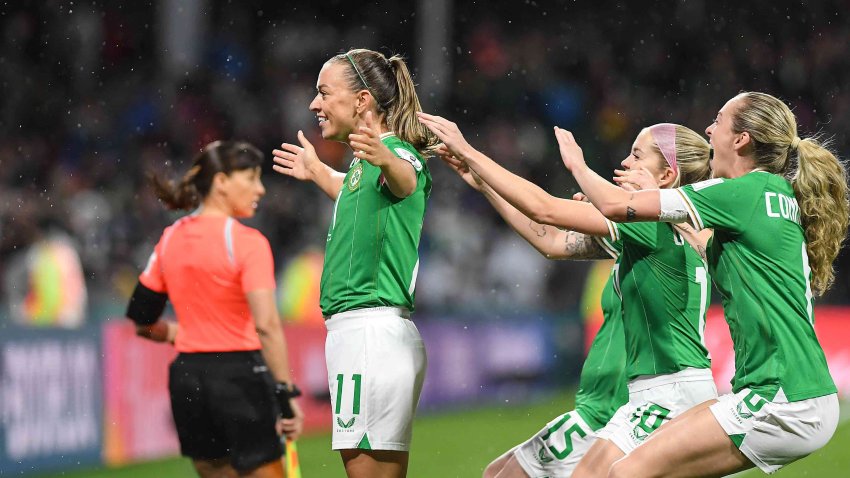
(231, 389)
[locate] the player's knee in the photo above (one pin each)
(629, 467)
(618, 470)
(492, 469)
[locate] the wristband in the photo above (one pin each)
(283, 392)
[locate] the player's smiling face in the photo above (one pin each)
(644, 155)
(722, 139)
(335, 104)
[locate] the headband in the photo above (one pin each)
(665, 138)
(357, 70)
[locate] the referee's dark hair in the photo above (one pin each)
(217, 157)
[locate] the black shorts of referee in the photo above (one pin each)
(224, 407)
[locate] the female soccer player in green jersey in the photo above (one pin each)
(555, 449)
(375, 356)
(779, 209)
(666, 362)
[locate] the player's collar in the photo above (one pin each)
(387, 134)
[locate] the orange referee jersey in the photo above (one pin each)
(206, 265)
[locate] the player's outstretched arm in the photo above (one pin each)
(301, 162)
(550, 241)
(613, 202)
(367, 145)
(530, 199)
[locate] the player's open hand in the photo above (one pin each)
(291, 427)
(460, 167)
(448, 133)
(571, 153)
(296, 161)
(635, 179)
(367, 144)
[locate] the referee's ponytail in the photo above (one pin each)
(217, 157)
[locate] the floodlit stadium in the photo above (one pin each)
(506, 295)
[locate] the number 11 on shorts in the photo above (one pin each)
(355, 402)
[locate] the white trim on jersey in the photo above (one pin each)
(606, 246)
(413, 278)
(676, 206)
(612, 230)
(228, 239)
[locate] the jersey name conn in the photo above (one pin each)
(781, 206)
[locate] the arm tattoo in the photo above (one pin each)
(539, 229)
(701, 252)
(583, 247)
(630, 213)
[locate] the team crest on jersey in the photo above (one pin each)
(355, 176)
(409, 157)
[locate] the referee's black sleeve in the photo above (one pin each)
(145, 305)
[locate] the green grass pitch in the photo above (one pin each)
(462, 443)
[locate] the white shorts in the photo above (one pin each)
(773, 434)
(655, 400)
(376, 366)
(556, 449)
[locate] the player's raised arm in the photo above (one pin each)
(301, 162)
(530, 199)
(613, 202)
(399, 174)
(550, 241)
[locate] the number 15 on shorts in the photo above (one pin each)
(353, 404)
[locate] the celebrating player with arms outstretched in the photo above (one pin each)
(376, 358)
(779, 209)
(666, 362)
(555, 450)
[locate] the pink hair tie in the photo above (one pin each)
(665, 138)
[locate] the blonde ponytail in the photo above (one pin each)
(819, 179)
(820, 185)
(402, 115)
(391, 85)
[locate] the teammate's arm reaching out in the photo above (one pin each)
(527, 197)
(552, 242)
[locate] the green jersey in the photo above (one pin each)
(371, 256)
(760, 266)
(602, 386)
(665, 290)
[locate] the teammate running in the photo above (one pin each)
(376, 358)
(779, 209)
(662, 283)
(219, 276)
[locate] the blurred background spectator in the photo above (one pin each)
(97, 94)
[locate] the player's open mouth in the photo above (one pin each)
(321, 119)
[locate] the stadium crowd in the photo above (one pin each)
(93, 99)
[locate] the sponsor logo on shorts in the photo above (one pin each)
(543, 457)
(344, 424)
(743, 412)
(260, 369)
(748, 406)
(647, 419)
